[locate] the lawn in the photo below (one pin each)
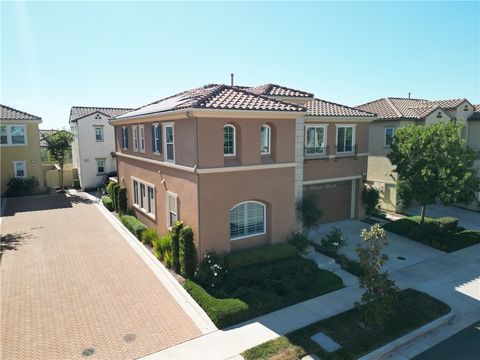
(412, 310)
(434, 233)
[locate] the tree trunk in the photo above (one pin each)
(61, 177)
(422, 214)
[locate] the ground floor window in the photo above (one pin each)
(172, 213)
(144, 196)
(247, 219)
(20, 169)
(100, 166)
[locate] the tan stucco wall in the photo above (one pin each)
(29, 153)
(318, 169)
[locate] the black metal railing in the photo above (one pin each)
(346, 150)
(315, 152)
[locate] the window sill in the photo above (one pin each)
(144, 211)
(247, 236)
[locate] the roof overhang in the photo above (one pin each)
(339, 118)
(20, 121)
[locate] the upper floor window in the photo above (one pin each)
(141, 129)
(345, 138)
(100, 166)
(20, 169)
(13, 135)
(172, 212)
(169, 143)
(98, 133)
(135, 138)
(247, 219)
(389, 135)
(265, 139)
(229, 140)
(156, 139)
(315, 136)
(124, 138)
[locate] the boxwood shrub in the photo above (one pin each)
(223, 312)
(135, 226)
(107, 202)
(260, 255)
(114, 196)
(187, 252)
(122, 200)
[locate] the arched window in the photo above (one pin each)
(265, 139)
(229, 140)
(247, 219)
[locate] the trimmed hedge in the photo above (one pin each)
(223, 312)
(115, 189)
(187, 252)
(175, 232)
(109, 188)
(107, 202)
(135, 226)
(260, 255)
(122, 200)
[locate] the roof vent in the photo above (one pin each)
(231, 79)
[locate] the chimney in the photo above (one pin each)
(409, 95)
(231, 79)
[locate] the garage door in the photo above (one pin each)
(334, 199)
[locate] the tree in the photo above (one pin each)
(309, 212)
(433, 162)
(59, 144)
(378, 300)
(370, 197)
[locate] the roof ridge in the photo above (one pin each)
(100, 107)
(216, 89)
(20, 111)
(291, 88)
(389, 102)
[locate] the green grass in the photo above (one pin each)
(268, 287)
(351, 266)
(412, 310)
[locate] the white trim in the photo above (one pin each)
(9, 134)
(135, 138)
(330, 180)
(324, 126)
(24, 162)
(385, 136)
(157, 162)
(244, 168)
(156, 126)
(141, 138)
(170, 194)
(269, 140)
(95, 127)
(165, 147)
(354, 133)
(381, 181)
(264, 219)
(234, 140)
(104, 165)
(353, 198)
(139, 195)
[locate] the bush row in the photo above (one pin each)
(135, 226)
(260, 255)
(118, 196)
(107, 202)
(22, 186)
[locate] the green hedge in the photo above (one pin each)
(260, 255)
(223, 312)
(122, 200)
(175, 233)
(115, 189)
(187, 253)
(135, 226)
(107, 202)
(110, 188)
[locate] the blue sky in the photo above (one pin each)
(125, 54)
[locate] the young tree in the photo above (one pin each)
(433, 162)
(309, 213)
(370, 197)
(380, 293)
(59, 144)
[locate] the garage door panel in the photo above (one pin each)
(334, 199)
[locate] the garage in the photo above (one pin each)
(334, 199)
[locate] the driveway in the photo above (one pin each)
(401, 251)
(466, 218)
(73, 288)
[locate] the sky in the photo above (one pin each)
(55, 55)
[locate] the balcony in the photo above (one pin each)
(346, 151)
(310, 152)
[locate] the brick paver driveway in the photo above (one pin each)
(71, 283)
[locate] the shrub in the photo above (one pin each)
(223, 312)
(122, 200)
(135, 226)
(175, 231)
(187, 252)
(299, 241)
(309, 212)
(115, 189)
(107, 202)
(22, 186)
(149, 236)
(370, 197)
(260, 255)
(76, 184)
(212, 270)
(162, 247)
(401, 227)
(109, 188)
(423, 231)
(447, 224)
(333, 241)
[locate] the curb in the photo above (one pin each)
(387, 349)
(183, 298)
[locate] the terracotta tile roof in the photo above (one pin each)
(318, 107)
(476, 113)
(78, 112)
(447, 104)
(8, 113)
(278, 90)
(215, 97)
(44, 133)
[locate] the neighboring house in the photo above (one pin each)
(20, 146)
(396, 112)
(232, 162)
(93, 150)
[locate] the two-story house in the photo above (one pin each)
(20, 146)
(232, 162)
(93, 150)
(396, 112)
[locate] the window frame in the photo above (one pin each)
(8, 128)
(104, 165)
(234, 140)
(141, 201)
(124, 138)
(269, 140)
(169, 195)
(166, 143)
(24, 163)
(385, 136)
(245, 217)
(316, 126)
(99, 127)
(338, 126)
(135, 137)
(141, 136)
(157, 139)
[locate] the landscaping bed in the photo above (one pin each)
(440, 233)
(413, 309)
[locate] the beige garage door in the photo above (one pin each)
(334, 199)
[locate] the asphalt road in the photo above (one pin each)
(464, 345)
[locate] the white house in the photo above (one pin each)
(93, 150)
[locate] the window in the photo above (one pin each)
(144, 197)
(141, 128)
(98, 133)
(389, 134)
(265, 139)
(124, 138)
(169, 143)
(172, 215)
(315, 139)
(20, 169)
(150, 200)
(135, 138)
(229, 140)
(135, 192)
(100, 166)
(156, 139)
(247, 219)
(345, 138)
(13, 135)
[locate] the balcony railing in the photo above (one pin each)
(315, 152)
(346, 150)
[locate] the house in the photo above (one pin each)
(396, 112)
(20, 146)
(232, 162)
(93, 150)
